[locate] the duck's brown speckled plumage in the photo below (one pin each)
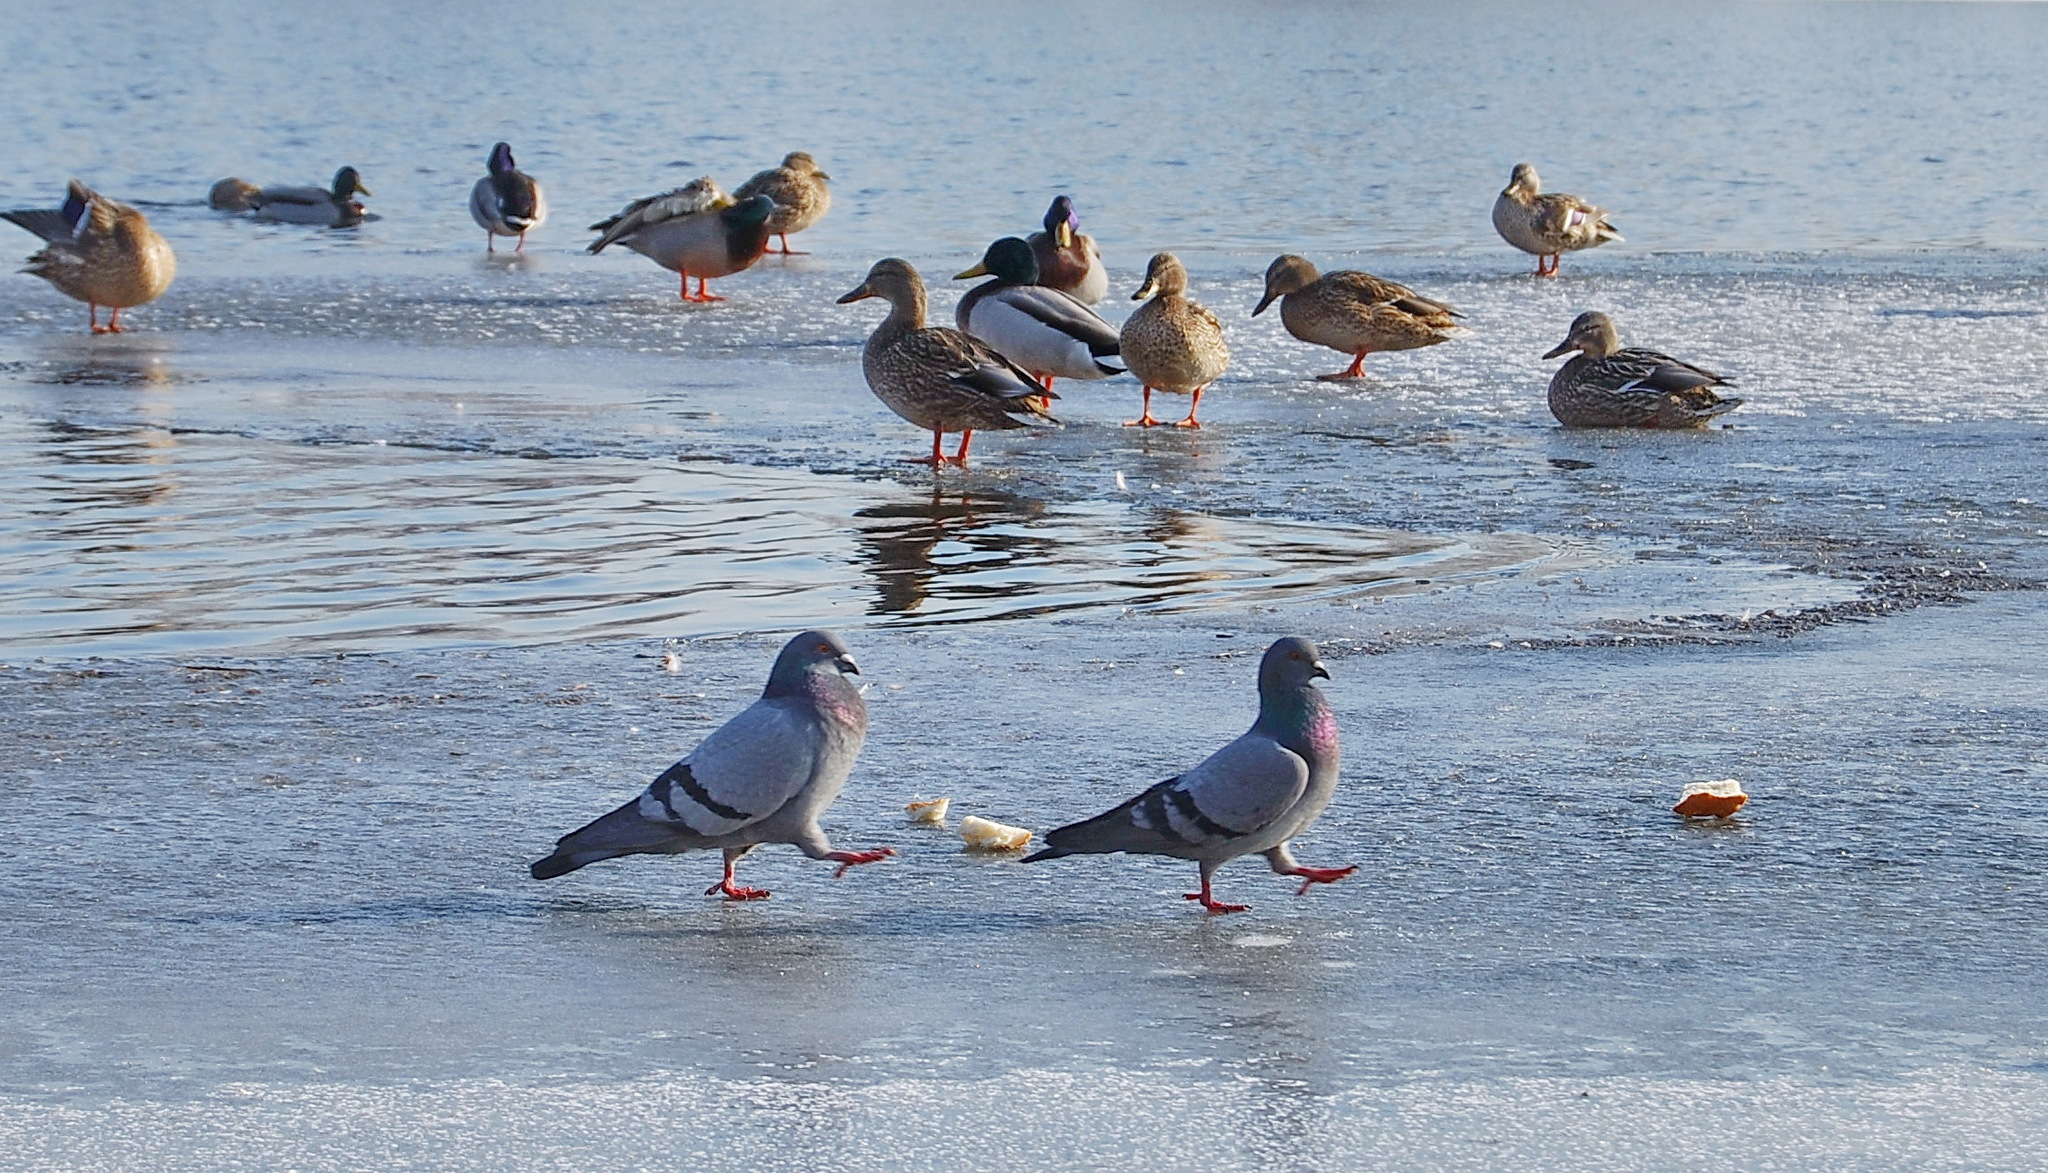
(938, 378)
(1606, 386)
(99, 251)
(800, 194)
(1547, 224)
(1356, 313)
(1172, 343)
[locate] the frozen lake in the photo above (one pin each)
(335, 592)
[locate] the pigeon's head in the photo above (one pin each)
(811, 653)
(1290, 664)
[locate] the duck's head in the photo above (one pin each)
(1009, 259)
(891, 279)
(749, 212)
(347, 183)
(1592, 334)
(1286, 274)
(500, 161)
(1164, 276)
(1061, 222)
(802, 163)
(1524, 181)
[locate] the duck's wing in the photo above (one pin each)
(1371, 290)
(1651, 372)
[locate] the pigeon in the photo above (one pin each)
(1252, 795)
(763, 777)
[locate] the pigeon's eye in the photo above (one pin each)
(824, 647)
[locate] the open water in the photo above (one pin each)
(335, 591)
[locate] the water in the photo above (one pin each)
(339, 588)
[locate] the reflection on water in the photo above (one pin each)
(138, 540)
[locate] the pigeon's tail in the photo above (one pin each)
(622, 832)
(1046, 853)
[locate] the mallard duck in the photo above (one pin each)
(696, 230)
(1067, 260)
(1171, 343)
(331, 208)
(232, 195)
(939, 379)
(800, 195)
(1354, 312)
(1605, 386)
(1049, 333)
(1547, 225)
(100, 251)
(507, 202)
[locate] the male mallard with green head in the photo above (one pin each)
(1047, 332)
(939, 379)
(1605, 386)
(1356, 313)
(99, 251)
(506, 202)
(333, 207)
(696, 230)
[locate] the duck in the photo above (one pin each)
(1047, 332)
(1547, 225)
(507, 202)
(232, 195)
(101, 252)
(941, 380)
(800, 194)
(333, 207)
(1605, 386)
(1354, 312)
(1067, 260)
(1171, 343)
(696, 230)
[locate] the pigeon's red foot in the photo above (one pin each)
(1310, 877)
(847, 859)
(1213, 906)
(735, 892)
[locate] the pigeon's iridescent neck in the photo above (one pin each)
(1301, 719)
(837, 698)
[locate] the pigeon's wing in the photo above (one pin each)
(1239, 791)
(745, 771)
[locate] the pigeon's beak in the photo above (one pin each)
(845, 664)
(1565, 347)
(1317, 669)
(980, 270)
(1263, 303)
(859, 294)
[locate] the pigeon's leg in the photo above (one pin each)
(1144, 419)
(1191, 421)
(1208, 901)
(1355, 371)
(846, 859)
(960, 457)
(1283, 863)
(733, 891)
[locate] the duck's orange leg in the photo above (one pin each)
(960, 457)
(1355, 371)
(704, 291)
(1144, 419)
(114, 322)
(1191, 421)
(938, 456)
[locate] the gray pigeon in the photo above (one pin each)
(1252, 795)
(763, 777)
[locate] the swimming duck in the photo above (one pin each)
(507, 202)
(1171, 343)
(1354, 312)
(1047, 332)
(331, 208)
(232, 195)
(800, 195)
(1605, 386)
(1547, 225)
(696, 230)
(1067, 260)
(99, 251)
(939, 379)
